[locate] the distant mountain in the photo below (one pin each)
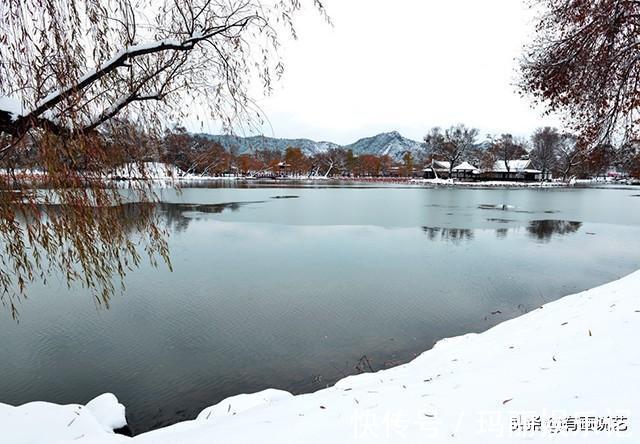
(251, 144)
(391, 144)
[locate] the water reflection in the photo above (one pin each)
(177, 217)
(174, 214)
(173, 217)
(540, 230)
(544, 229)
(215, 208)
(298, 293)
(454, 235)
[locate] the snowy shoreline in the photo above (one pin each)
(572, 358)
(418, 183)
(169, 175)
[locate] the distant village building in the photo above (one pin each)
(614, 174)
(283, 167)
(522, 170)
(439, 169)
(512, 170)
(394, 171)
(466, 171)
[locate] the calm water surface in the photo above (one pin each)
(290, 287)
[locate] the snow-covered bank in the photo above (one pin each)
(490, 184)
(157, 171)
(171, 175)
(43, 422)
(573, 358)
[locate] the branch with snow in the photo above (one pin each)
(15, 120)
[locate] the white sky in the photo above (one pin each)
(404, 65)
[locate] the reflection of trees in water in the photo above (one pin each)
(176, 220)
(542, 230)
(173, 217)
(545, 229)
(215, 208)
(93, 241)
(450, 234)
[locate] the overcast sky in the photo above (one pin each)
(403, 65)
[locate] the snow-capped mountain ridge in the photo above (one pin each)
(251, 144)
(392, 144)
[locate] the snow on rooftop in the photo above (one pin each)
(575, 357)
(465, 166)
(519, 165)
(441, 164)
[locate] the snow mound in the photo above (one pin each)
(47, 423)
(241, 403)
(108, 411)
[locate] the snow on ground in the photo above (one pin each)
(489, 184)
(240, 403)
(158, 171)
(108, 411)
(146, 170)
(43, 422)
(171, 174)
(572, 358)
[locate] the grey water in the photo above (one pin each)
(290, 286)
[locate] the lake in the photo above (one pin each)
(295, 287)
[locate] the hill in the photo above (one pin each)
(391, 143)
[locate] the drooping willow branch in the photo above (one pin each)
(90, 86)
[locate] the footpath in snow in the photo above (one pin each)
(571, 365)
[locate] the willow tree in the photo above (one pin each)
(585, 64)
(88, 85)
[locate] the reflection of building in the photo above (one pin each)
(454, 235)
